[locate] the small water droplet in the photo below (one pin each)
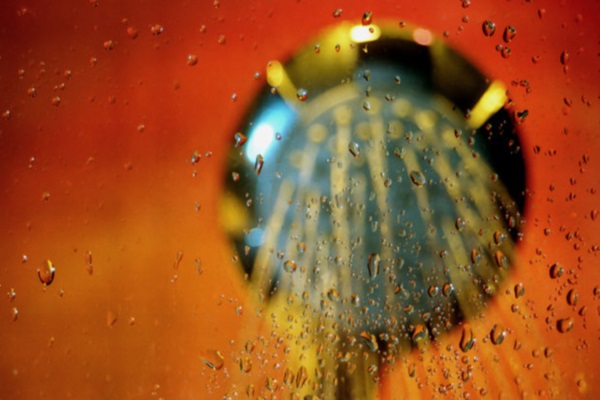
(56, 101)
(156, 29)
(501, 260)
(11, 294)
(109, 45)
(448, 289)
(509, 33)
(258, 164)
(433, 291)
(111, 318)
(15, 313)
(572, 297)
(46, 273)
(489, 28)
(302, 94)
(497, 334)
(354, 149)
(564, 325)
(88, 262)
(245, 365)
(564, 57)
(467, 341)
(337, 13)
(373, 265)
(289, 266)
(417, 178)
(333, 295)
(192, 60)
(301, 377)
(213, 359)
(460, 224)
(519, 290)
(366, 105)
(367, 18)
(239, 139)
(556, 270)
(235, 176)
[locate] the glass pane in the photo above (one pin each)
(285, 199)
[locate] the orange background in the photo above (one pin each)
(108, 171)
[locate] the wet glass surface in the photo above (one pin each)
(124, 279)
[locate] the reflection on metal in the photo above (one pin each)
(388, 204)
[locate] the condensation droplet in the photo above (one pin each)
(418, 178)
(501, 260)
(302, 94)
(489, 28)
(192, 60)
(564, 57)
(354, 149)
(556, 271)
(245, 365)
(366, 105)
(239, 139)
(88, 262)
(448, 289)
(301, 377)
(373, 265)
(433, 291)
(460, 224)
(235, 176)
(467, 341)
(258, 164)
(564, 325)
(497, 334)
(289, 266)
(337, 13)
(156, 29)
(519, 290)
(14, 313)
(572, 297)
(213, 359)
(367, 18)
(46, 273)
(509, 33)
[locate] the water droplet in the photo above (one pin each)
(366, 105)
(460, 224)
(272, 384)
(509, 33)
(564, 325)
(109, 45)
(448, 289)
(354, 149)
(46, 273)
(88, 262)
(213, 359)
(433, 291)
(156, 29)
(289, 266)
(564, 57)
(302, 94)
(111, 318)
(519, 290)
(32, 92)
(572, 297)
(239, 139)
(11, 294)
(367, 18)
(556, 270)
(506, 52)
(132, 32)
(337, 13)
(418, 178)
(14, 313)
(56, 101)
(6, 114)
(258, 164)
(501, 260)
(489, 28)
(301, 377)
(399, 152)
(373, 265)
(245, 365)
(192, 60)
(497, 334)
(178, 258)
(333, 295)
(467, 341)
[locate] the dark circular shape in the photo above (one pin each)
(377, 181)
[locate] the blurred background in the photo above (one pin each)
(115, 121)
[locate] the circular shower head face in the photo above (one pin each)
(377, 181)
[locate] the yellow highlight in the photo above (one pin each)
(363, 34)
(490, 102)
(278, 78)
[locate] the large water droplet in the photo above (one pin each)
(497, 334)
(373, 265)
(213, 359)
(564, 325)
(572, 297)
(467, 341)
(509, 33)
(46, 273)
(556, 271)
(418, 178)
(489, 28)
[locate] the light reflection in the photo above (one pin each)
(363, 34)
(275, 120)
